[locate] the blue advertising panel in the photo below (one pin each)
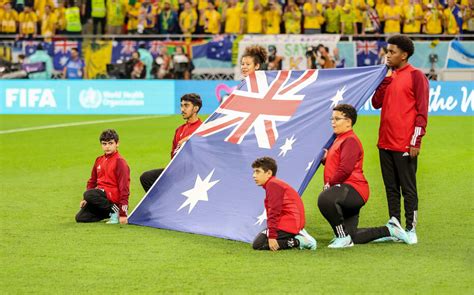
(212, 92)
(163, 97)
(87, 97)
(446, 99)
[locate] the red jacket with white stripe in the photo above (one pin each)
(285, 210)
(112, 174)
(404, 99)
(344, 162)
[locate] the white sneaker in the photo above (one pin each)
(412, 238)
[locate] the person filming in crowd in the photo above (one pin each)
(136, 69)
(182, 65)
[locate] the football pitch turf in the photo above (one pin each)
(43, 250)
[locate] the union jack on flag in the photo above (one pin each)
(65, 46)
(208, 188)
(367, 47)
(128, 47)
(260, 107)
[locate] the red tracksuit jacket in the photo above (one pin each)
(404, 99)
(344, 164)
(183, 131)
(112, 174)
(285, 210)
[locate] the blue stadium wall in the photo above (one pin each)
(163, 97)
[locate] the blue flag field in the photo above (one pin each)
(208, 187)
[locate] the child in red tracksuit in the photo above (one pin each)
(285, 211)
(108, 187)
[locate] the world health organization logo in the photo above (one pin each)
(90, 98)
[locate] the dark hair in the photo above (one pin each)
(75, 49)
(348, 111)
(257, 53)
(402, 42)
(142, 46)
(108, 135)
(193, 98)
(40, 46)
(266, 163)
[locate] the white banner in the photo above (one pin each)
(291, 47)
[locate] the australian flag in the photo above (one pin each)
(62, 52)
(122, 50)
(368, 52)
(220, 48)
(208, 188)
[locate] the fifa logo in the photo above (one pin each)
(30, 98)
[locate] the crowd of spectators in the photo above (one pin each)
(29, 18)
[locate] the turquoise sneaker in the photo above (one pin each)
(306, 240)
(114, 218)
(412, 238)
(345, 242)
(386, 239)
(396, 230)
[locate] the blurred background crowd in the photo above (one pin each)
(30, 18)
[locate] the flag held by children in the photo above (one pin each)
(208, 187)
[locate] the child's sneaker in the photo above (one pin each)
(412, 238)
(306, 240)
(114, 218)
(386, 239)
(396, 230)
(345, 242)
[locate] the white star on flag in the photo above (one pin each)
(309, 165)
(261, 217)
(287, 146)
(338, 97)
(198, 192)
(63, 60)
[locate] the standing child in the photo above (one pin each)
(285, 211)
(108, 187)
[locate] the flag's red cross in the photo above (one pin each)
(155, 47)
(246, 110)
(64, 46)
(128, 47)
(367, 47)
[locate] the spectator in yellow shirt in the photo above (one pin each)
(450, 25)
(272, 18)
(433, 19)
(468, 18)
(412, 17)
(188, 19)
(116, 11)
(292, 18)
(133, 11)
(60, 15)
(392, 14)
(27, 23)
(48, 22)
(313, 18)
(359, 7)
(233, 18)
(348, 20)
(9, 19)
(39, 6)
(332, 14)
(379, 7)
(254, 11)
(212, 19)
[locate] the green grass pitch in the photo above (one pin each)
(42, 250)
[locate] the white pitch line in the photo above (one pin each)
(76, 124)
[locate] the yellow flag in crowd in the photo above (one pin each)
(97, 54)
